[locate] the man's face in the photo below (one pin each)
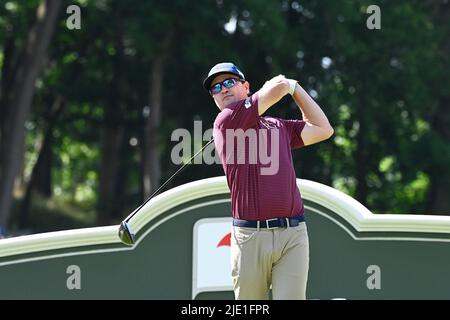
(229, 95)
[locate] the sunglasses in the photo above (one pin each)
(227, 83)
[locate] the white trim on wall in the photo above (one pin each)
(343, 205)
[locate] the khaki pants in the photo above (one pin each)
(265, 257)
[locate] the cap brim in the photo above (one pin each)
(207, 82)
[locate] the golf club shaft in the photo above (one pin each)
(168, 180)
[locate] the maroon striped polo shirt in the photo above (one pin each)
(255, 153)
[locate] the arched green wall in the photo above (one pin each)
(411, 252)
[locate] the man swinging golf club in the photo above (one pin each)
(269, 243)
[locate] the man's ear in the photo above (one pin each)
(247, 87)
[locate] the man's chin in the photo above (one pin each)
(227, 101)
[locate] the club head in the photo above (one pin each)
(126, 235)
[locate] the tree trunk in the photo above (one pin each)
(438, 201)
(21, 94)
(361, 152)
(438, 198)
(19, 181)
(43, 182)
(42, 161)
(111, 144)
(5, 84)
(151, 161)
(112, 138)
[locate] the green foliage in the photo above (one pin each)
(73, 177)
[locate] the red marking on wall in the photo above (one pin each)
(225, 241)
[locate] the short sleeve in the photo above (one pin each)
(294, 129)
(242, 114)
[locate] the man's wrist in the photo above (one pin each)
(292, 85)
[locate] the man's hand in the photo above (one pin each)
(275, 80)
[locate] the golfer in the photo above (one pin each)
(269, 243)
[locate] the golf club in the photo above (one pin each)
(126, 234)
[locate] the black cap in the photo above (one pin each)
(220, 68)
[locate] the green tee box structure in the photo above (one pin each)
(182, 249)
